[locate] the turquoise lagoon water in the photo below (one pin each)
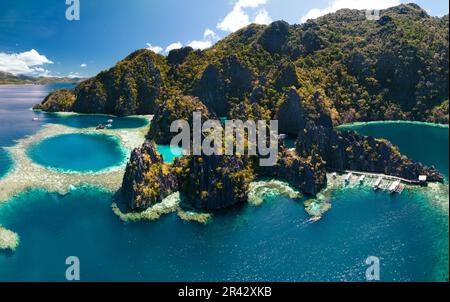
(79, 152)
(16, 116)
(5, 162)
(421, 142)
(87, 121)
(272, 242)
(169, 153)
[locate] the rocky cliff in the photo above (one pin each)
(147, 180)
(133, 86)
(341, 63)
(177, 108)
(222, 83)
(291, 116)
(347, 150)
(307, 174)
(61, 100)
(215, 182)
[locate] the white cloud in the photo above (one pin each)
(234, 20)
(210, 35)
(200, 44)
(209, 38)
(238, 18)
(27, 63)
(251, 3)
(154, 48)
(173, 46)
(262, 17)
(352, 4)
(84, 65)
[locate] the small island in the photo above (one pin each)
(8, 239)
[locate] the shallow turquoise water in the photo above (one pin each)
(87, 121)
(5, 162)
(78, 152)
(273, 242)
(169, 153)
(421, 142)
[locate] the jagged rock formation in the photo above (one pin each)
(287, 77)
(215, 182)
(291, 115)
(147, 179)
(347, 150)
(223, 83)
(179, 108)
(336, 69)
(275, 36)
(306, 174)
(393, 68)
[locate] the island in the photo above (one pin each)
(312, 77)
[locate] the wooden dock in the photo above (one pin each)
(377, 175)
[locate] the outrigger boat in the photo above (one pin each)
(348, 177)
(361, 179)
(395, 186)
(377, 183)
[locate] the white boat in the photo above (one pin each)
(361, 179)
(394, 187)
(35, 119)
(109, 126)
(348, 177)
(110, 121)
(377, 183)
(282, 136)
(315, 219)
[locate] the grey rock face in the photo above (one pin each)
(291, 116)
(147, 179)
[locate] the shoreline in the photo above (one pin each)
(356, 124)
(170, 204)
(10, 162)
(63, 114)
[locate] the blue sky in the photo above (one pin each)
(37, 39)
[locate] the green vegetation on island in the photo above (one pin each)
(336, 69)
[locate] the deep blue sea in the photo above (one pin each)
(271, 242)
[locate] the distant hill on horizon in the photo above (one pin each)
(9, 78)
